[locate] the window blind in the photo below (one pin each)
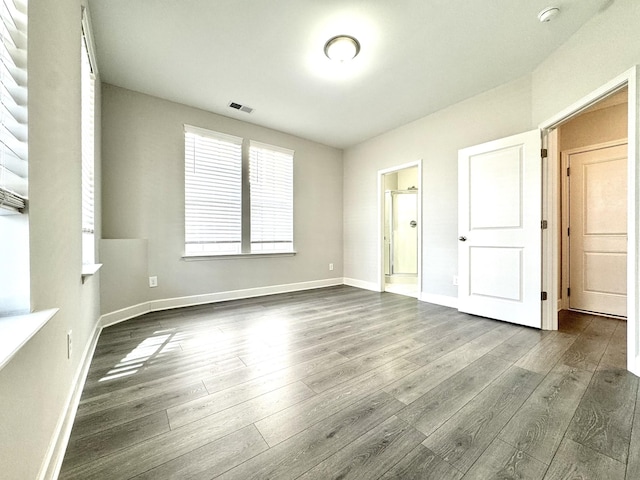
(13, 105)
(271, 187)
(213, 192)
(88, 150)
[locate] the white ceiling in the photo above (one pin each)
(417, 56)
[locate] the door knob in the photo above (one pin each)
(462, 238)
(413, 224)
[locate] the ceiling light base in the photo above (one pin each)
(342, 48)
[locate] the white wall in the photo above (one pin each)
(143, 185)
(436, 140)
(35, 386)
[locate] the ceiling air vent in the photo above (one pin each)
(242, 108)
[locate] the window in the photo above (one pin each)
(213, 193)
(88, 145)
(271, 184)
(13, 106)
(238, 195)
(14, 222)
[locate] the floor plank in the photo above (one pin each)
(543, 356)
(91, 423)
(370, 455)
(501, 461)
(211, 459)
(296, 418)
(602, 420)
(293, 457)
(434, 408)
(539, 426)
(413, 386)
(465, 436)
(159, 449)
(422, 464)
(100, 444)
(575, 461)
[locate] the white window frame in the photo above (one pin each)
(245, 247)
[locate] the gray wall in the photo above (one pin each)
(36, 384)
(143, 185)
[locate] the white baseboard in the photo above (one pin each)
(168, 303)
(123, 314)
(60, 439)
(444, 300)
(165, 304)
(352, 282)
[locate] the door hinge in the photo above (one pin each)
(543, 296)
(544, 153)
(568, 292)
(568, 232)
(544, 224)
(568, 171)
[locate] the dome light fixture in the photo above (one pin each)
(548, 14)
(342, 48)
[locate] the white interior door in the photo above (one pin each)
(598, 230)
(500, 241)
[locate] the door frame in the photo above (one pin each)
(563, 301)
(550, 208)
(381, 174)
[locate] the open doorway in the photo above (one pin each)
(592, 150)
(401, 230)
(555, 258)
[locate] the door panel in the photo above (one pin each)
(488, 281)
(598, 230)
(499, 253)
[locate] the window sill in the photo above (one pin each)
(90, 269)
(227, 256)
(17, 330)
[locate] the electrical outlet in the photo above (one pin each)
(455, 280)
(331, 266)
(69, 343)
(153, 281)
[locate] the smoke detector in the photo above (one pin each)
(548, 14)
(242, 108)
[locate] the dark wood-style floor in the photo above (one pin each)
(342, 383)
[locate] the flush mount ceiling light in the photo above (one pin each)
(548, 14)
(342, 48)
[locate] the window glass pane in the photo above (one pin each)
(271, 180)
(88, 153)
(213, 194)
